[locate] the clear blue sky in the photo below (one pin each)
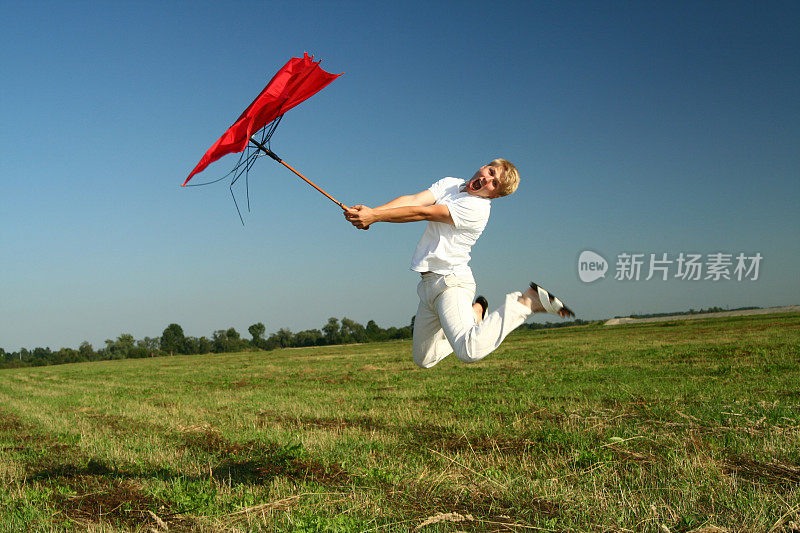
(649, 127)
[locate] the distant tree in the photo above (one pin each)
(227, 341)
(122, 348)
(127, 345)
(149, 345)
(284, 337)
(235, 340)
(6, 357)
(108, 351)
(406, 332)
(194, 345)
(401, 333)
(140, 349)
(257, 331)
(374, 332)
(204, 345)
(173, 340)
(191, 345)
(86, 351)
(352, 331)
(309, 337)
(40, 356)
(66, 355)
(271, 343)
(219, 341)
(15, 359)
(331, 331)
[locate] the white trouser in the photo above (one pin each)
(445, 322)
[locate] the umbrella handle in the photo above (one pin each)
(274, 156)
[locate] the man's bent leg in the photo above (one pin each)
(470, 341)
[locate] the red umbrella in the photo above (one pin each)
(298, 80)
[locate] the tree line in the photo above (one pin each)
(173, 341)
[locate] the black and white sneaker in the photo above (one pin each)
(552, 304)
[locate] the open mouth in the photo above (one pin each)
(475, 184)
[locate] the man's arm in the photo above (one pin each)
(421, 198)
(410, 208)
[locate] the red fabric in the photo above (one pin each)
(298, 80)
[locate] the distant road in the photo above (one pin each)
(743, 312)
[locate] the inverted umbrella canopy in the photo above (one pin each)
(298, 80)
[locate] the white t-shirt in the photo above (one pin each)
(444, 248)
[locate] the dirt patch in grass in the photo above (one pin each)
(276, 463)
(364, 423)
(45, 458)
(120, 423)
(16, 428)
(210, 441)
(632, 456)
(62, 468)
(259, 462)
(11, 423)
(338, 380)
(445, 440)
(245, 383)
(504, 508)
(498, 509)
(767, 473)
(93, 499)
(94, 492)
(542, 415)
(34, 448)
(792, 393)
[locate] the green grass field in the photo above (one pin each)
(689, 425)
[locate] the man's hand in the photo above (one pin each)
(363, 217)
(360, 216)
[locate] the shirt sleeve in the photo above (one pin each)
(440, 188)
(469, 213)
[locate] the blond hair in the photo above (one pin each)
(509, 180)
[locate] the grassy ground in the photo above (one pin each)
(677, 425)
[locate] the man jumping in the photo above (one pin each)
(457, 211)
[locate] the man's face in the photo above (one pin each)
(485, 182)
